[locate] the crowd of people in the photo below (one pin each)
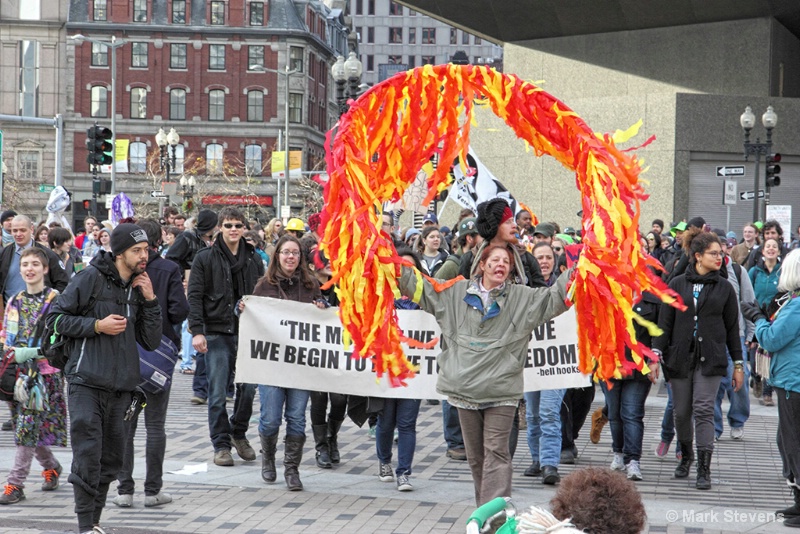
(177, 285)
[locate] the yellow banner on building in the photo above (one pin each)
(295, 164)
(120, 156)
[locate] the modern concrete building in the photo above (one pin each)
(688, 69)
(32, 77)
(202, 68)
(393, 38)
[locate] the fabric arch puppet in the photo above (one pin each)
(394, 128)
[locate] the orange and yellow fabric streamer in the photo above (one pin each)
(393, 129)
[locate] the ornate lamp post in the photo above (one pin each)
(747, 120)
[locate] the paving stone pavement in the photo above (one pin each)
(747, 484)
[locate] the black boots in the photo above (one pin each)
(321, 445)
(687, 457)
(333, 444)
(292, 454)
(268, 446)
(791, 515)
(703, 469)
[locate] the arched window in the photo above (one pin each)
(137, 157)
(255, 106)
(216, 105)
(177, 104)
(214, 158)
(252, 160)
(99, 101)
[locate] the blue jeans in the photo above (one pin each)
(187, 351)
(543, 414)
(739, 410)
(625, 403)
(452, 426)
(220, 364)
(400, 413)
(668, 422)
(277, 403)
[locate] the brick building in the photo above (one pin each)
(194, 65)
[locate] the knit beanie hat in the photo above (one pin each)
(7, 215)
(206, 221)
(125, 236)
(491, 214)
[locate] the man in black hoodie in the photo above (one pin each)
(106, 309)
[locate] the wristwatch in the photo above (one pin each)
(738, 365)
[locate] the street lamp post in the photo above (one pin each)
(113, 44)
(187, 182)
(747, 120)
(288, 72)
(167, 155)
(337, 72)
(346, 72)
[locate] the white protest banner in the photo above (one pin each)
(290, 344)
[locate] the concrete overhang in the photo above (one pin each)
(508, 21)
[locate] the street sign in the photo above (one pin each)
(158, 194)
(729, 193)
(748, 195)
(730, 170)
(46, 188)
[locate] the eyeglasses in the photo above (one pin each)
(238, 226)
(295, 253)
(715, 254)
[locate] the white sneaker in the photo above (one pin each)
(157, 499)
(737, 433)
(633, 470)
(403, 484)
(619, 462)
(386, 473)
(123, 501)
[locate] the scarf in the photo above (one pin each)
(712, 277)
(237, 262)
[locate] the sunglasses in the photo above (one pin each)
(231, 225)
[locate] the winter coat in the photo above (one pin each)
(765, 284)
(103, 361)
(782, 339)
(484, 352)
(441, 257)
(184, 249)
(288, 289)
(716, 318)
(165, 276)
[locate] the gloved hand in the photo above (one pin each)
(752, 311)
(23, 354)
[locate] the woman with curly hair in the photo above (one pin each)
(692, 348)
(599, 501)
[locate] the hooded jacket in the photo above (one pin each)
(103, 361)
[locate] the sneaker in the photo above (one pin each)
(198, 400)
(458, 453)
(223, 458)
(51, 478)
(403, 483)
(663, 449)
(618, 464)
(157, 499)
(386, 474)
(244, 450)
(12, 494)
(371, 433)
(97, 529)
(757, 388)
(599, 420)
(633, 470)
(123, 501)
(766, 400)
(737, 432)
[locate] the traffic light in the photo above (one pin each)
(98, 142)
(88, 206)
(773, 170)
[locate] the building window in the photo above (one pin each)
(256, 13)
(252, 160)
(255, 106)
(395, 9)
(177, 56)
(370, 63)
(180, 152)
(216, 105)
(100, 11)
(428, 60)
(478, 40)
(137, 157)
(371, 34)
(177, 104)
(30, 10)
(179, 11)
(216, 57)
(453, 36)
(138, 103)
(139, 10)
(295, 108)
(214, 158)
(296, 58)
(217, 13)
(464, 38)
(139, 55)
(396, 35)
(412, 13)
(99, 55)
(428, 35)
(29, 78)
(412, 62)
(359, 7)
(395, 60)
(28, 165)
(371, 7)
(99, 101)
(255, 56)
